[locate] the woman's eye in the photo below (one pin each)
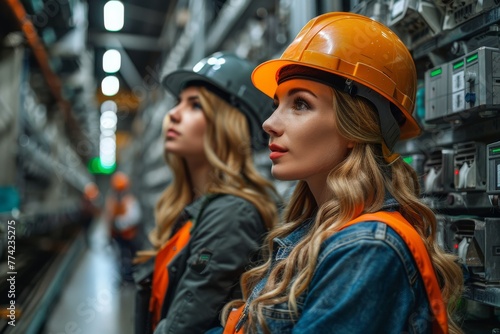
(300, 104)
(275, 104)
(197, 105)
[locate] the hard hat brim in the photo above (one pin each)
(176, 81)
(264, 76)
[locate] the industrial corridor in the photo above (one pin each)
(94, 299)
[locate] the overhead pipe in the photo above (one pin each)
(227, 18)
(42, 58)
(186, 39)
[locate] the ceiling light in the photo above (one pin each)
(113, 15)
(108, 120)
(110, 85)
(111, 61)
(109, 105)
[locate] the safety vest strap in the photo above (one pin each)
(421, 256)
(160, 277)
(165, 255)
(232, 321)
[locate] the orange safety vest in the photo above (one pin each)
(119, 207)
(415, 243)
(160, 275)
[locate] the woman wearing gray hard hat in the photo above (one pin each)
(211, 219)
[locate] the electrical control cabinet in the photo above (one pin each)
(436, 93)
(464, 89)
(475, 241)
(459, 63)
(415, 21)
(493, 168)
(484, 250)
(457, 12)
(470, 167)
(439, 177)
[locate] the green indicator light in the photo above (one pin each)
(458, 65)
(408, 160)
(95, 166)
(435, 72)
(472, 58)
(495, 150)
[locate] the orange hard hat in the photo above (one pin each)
(362, 52)
(91, 191)
(119, 181)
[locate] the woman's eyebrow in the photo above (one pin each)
(297, 90)
(193, 98)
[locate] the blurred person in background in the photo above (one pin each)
(212, 218)
(357, 251)
(91, 208)
(123, 215)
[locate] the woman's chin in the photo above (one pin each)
(282, 175)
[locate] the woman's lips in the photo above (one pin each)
(276, 155)
(171, 133)
(276, 151)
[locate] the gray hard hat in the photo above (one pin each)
(228, 76)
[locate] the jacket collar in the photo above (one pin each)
(390, 204)
(192, 210)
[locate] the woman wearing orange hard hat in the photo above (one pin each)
(357, 250)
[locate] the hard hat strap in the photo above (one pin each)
(389, 126)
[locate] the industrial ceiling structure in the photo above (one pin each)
(155, 34)
(67, 40)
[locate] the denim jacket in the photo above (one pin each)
(365, 281)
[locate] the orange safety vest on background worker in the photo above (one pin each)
(419, 252)
(123, 211)
(125, 216)
(160, 278)
(174, 245)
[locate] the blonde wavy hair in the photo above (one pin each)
(228, 150)
(355, 188)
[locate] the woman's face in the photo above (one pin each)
(184, 126)
(304, 141)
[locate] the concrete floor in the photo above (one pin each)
(94, 300)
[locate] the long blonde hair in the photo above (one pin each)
(228, 150)
(355, 188)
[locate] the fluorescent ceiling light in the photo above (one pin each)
(110, 85)
(109, 105)
(113, 15)
(111, 61)
(108, 120)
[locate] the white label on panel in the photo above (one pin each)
(458, 82)
(458, 101)
(498, 176)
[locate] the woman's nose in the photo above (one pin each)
(271, 125)
(174, 114)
